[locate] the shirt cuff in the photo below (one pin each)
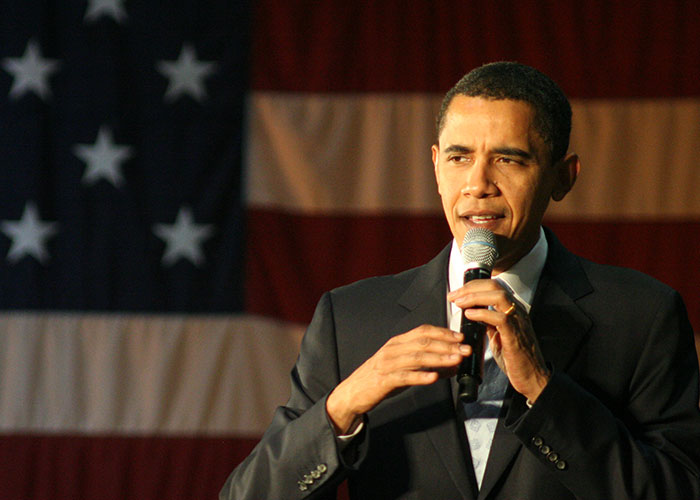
(346, 438)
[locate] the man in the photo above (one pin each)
(591, 380)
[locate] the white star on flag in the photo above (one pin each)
(30, 72)
(99, 8)
(28, 235)
(186, 75)
(184, 238)
(103, 158)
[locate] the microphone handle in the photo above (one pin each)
(470, 371)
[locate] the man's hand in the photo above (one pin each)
(511, 336)
(418, 357)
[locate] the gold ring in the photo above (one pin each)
(510, 309)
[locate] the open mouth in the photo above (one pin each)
(481, 219)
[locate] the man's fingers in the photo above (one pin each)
(495, 318)
(425, 339)
(473, 286)
(423, 356)
(426, 332)
(497, 298)
(407, 359)
(482, 294)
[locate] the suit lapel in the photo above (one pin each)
(560, 323)
(425, 303)
(561, 326)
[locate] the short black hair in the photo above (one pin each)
(512, 80)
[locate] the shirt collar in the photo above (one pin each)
(521, 278)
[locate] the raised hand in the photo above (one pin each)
(418, 357)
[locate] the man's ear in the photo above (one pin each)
(567, 171)
(435, 149)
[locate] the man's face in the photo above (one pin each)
(492, 170)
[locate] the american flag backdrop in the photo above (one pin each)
(180, 181)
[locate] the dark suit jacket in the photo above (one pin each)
(618, 420)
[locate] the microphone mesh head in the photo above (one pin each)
(479, 248)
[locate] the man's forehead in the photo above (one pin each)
(501, 118)
(464, 104)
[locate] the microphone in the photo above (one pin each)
(479, 253)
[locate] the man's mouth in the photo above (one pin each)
(481, 219)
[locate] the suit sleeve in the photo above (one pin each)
(298, 456)
(649, 446)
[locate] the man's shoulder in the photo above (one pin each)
(379, 284)
(622, 294)
(606, 276)
(392, 286)
(577, 272)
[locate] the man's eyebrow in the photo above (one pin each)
(520, 153)
(507, 151)
(458, 148)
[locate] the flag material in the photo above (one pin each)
(180, 184)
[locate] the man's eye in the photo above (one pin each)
(508, 161)
(458, 159)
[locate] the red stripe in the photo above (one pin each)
(42, 467)
(592, 48)
(293, 259)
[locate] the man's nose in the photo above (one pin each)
(479, 182)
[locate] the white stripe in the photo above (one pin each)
(370, 153)
(341, 153)
(639, 159)
(132, 374)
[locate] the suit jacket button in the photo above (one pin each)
(537, 441)
(308, 479)
(553, 457)
(322, 468)
(545, 449)
(561, 465)
(315, 474)
(302, 486)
